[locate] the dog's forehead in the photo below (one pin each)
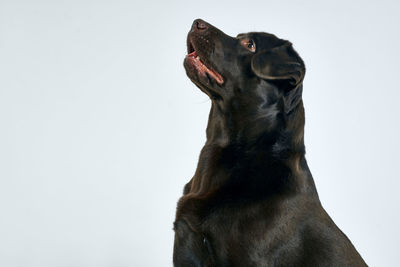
(263, 40)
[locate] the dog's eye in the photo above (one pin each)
(249, 44)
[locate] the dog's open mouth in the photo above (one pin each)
(202, 68)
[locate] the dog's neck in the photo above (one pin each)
(233, 151)
(257, 129)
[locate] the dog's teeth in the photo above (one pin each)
(198, 57)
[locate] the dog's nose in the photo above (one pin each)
(199, 25)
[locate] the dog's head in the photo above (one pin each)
(244, 74)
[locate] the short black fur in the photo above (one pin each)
(252, 200)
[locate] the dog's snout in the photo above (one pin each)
(199, 25)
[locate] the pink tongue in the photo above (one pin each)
(203, 68)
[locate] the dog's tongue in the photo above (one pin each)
(193, 54)
(203, 68)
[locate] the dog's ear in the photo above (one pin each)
(284, 65)
(279, 63)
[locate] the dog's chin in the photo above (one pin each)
(202, 80)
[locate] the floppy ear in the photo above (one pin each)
(283, 64)
(279, 63)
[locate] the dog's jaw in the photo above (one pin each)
(193, 59)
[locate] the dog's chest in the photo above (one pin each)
(248, 236)
(237, 238)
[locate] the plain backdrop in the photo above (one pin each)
(100, 128)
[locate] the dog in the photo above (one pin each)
(252, 200)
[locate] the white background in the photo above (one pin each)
(100, 128)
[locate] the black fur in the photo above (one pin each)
(252, 200)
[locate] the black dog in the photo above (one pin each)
(252, 200)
